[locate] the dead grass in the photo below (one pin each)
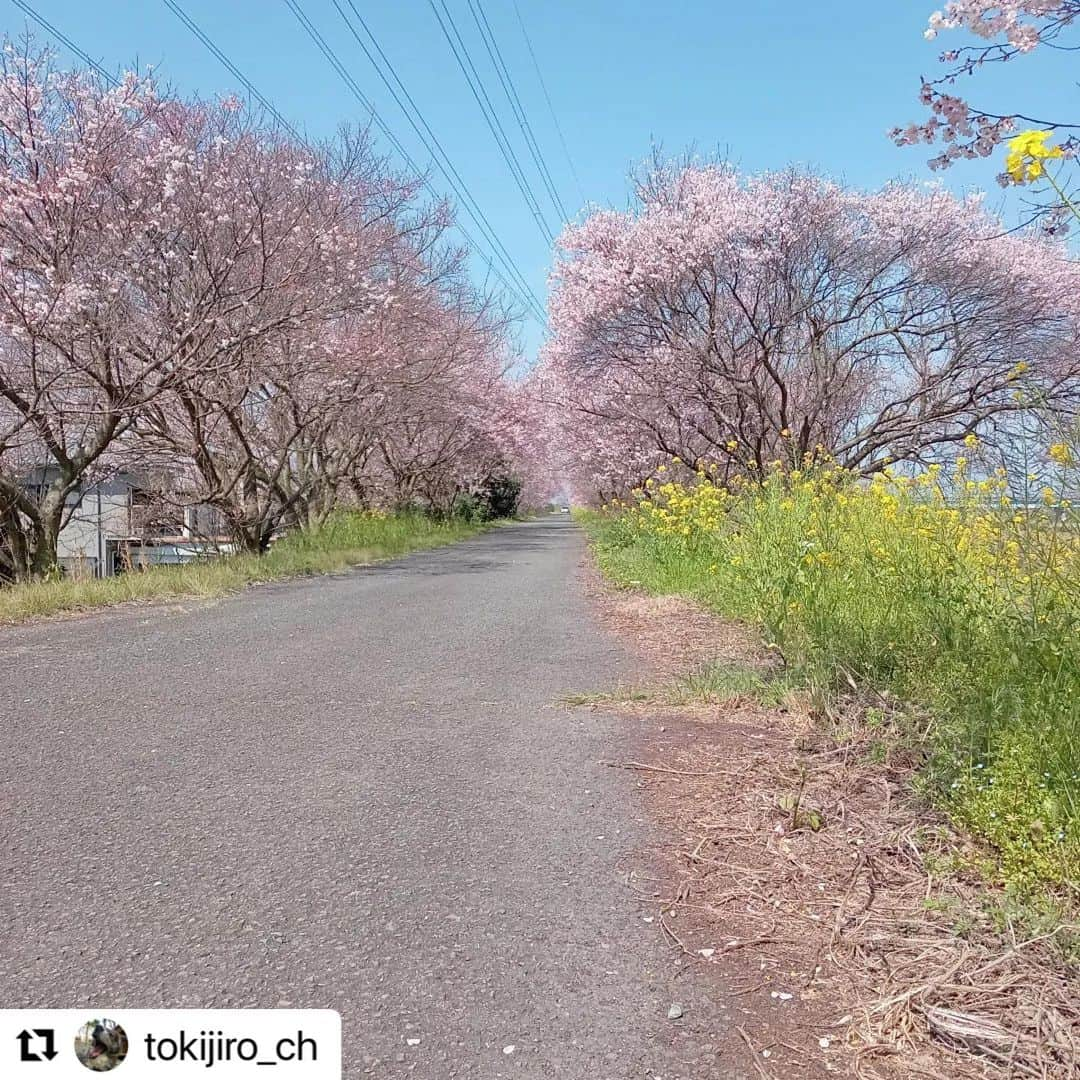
(817, 883)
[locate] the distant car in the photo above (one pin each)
(564, 509)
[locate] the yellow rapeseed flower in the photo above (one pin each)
(1060, 454)
(1027, 152)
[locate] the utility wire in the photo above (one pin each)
(532, 305)
(529, 298)
(491, 117)
(523, 293)
(547, 98)
(230, 67)
(487, 35)
(48, 27)
(191, 25)
(431, 142)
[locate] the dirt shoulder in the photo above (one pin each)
(827, 902)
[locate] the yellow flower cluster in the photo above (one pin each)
(680, 510)
(938, 523)
(1027, 152)
(1060, 453)
(953, 588)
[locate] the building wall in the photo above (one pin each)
(99, 515)
(105, 514)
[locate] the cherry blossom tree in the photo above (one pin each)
(747, 320)
(277, 248)
(80, 172)
(266, 325)
(448, 434)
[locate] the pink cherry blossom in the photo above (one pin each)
(1013, 29)
(740, 320)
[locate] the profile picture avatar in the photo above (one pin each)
(101, 1045)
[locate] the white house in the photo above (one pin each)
(118, 525)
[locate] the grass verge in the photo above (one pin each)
(348, 538)
(849, 923)
(957, 613)
(709, 684)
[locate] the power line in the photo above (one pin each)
(487, 35)
(430, 140)
(48, 27)
(547, 98)
(230, 67)
(491, 117)
(523, 292)
(529, 299)
(192, 26)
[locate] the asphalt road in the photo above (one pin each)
(356, 792)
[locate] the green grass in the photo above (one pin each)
(719, 684)
(348, 538)
(966, 613)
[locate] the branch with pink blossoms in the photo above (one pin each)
(964, 131)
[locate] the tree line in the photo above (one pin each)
(253, 323)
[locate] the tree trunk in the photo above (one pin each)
(252, 537)
(30, 537)
(45, 563)
(16, 551)
(248, 541)
(46, 535)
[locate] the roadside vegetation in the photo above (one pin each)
(950, 605)
(347, 538)
(803, 868)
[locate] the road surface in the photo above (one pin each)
(355, 792)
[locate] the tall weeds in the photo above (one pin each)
(958, 596)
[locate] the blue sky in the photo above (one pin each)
(765, 83)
